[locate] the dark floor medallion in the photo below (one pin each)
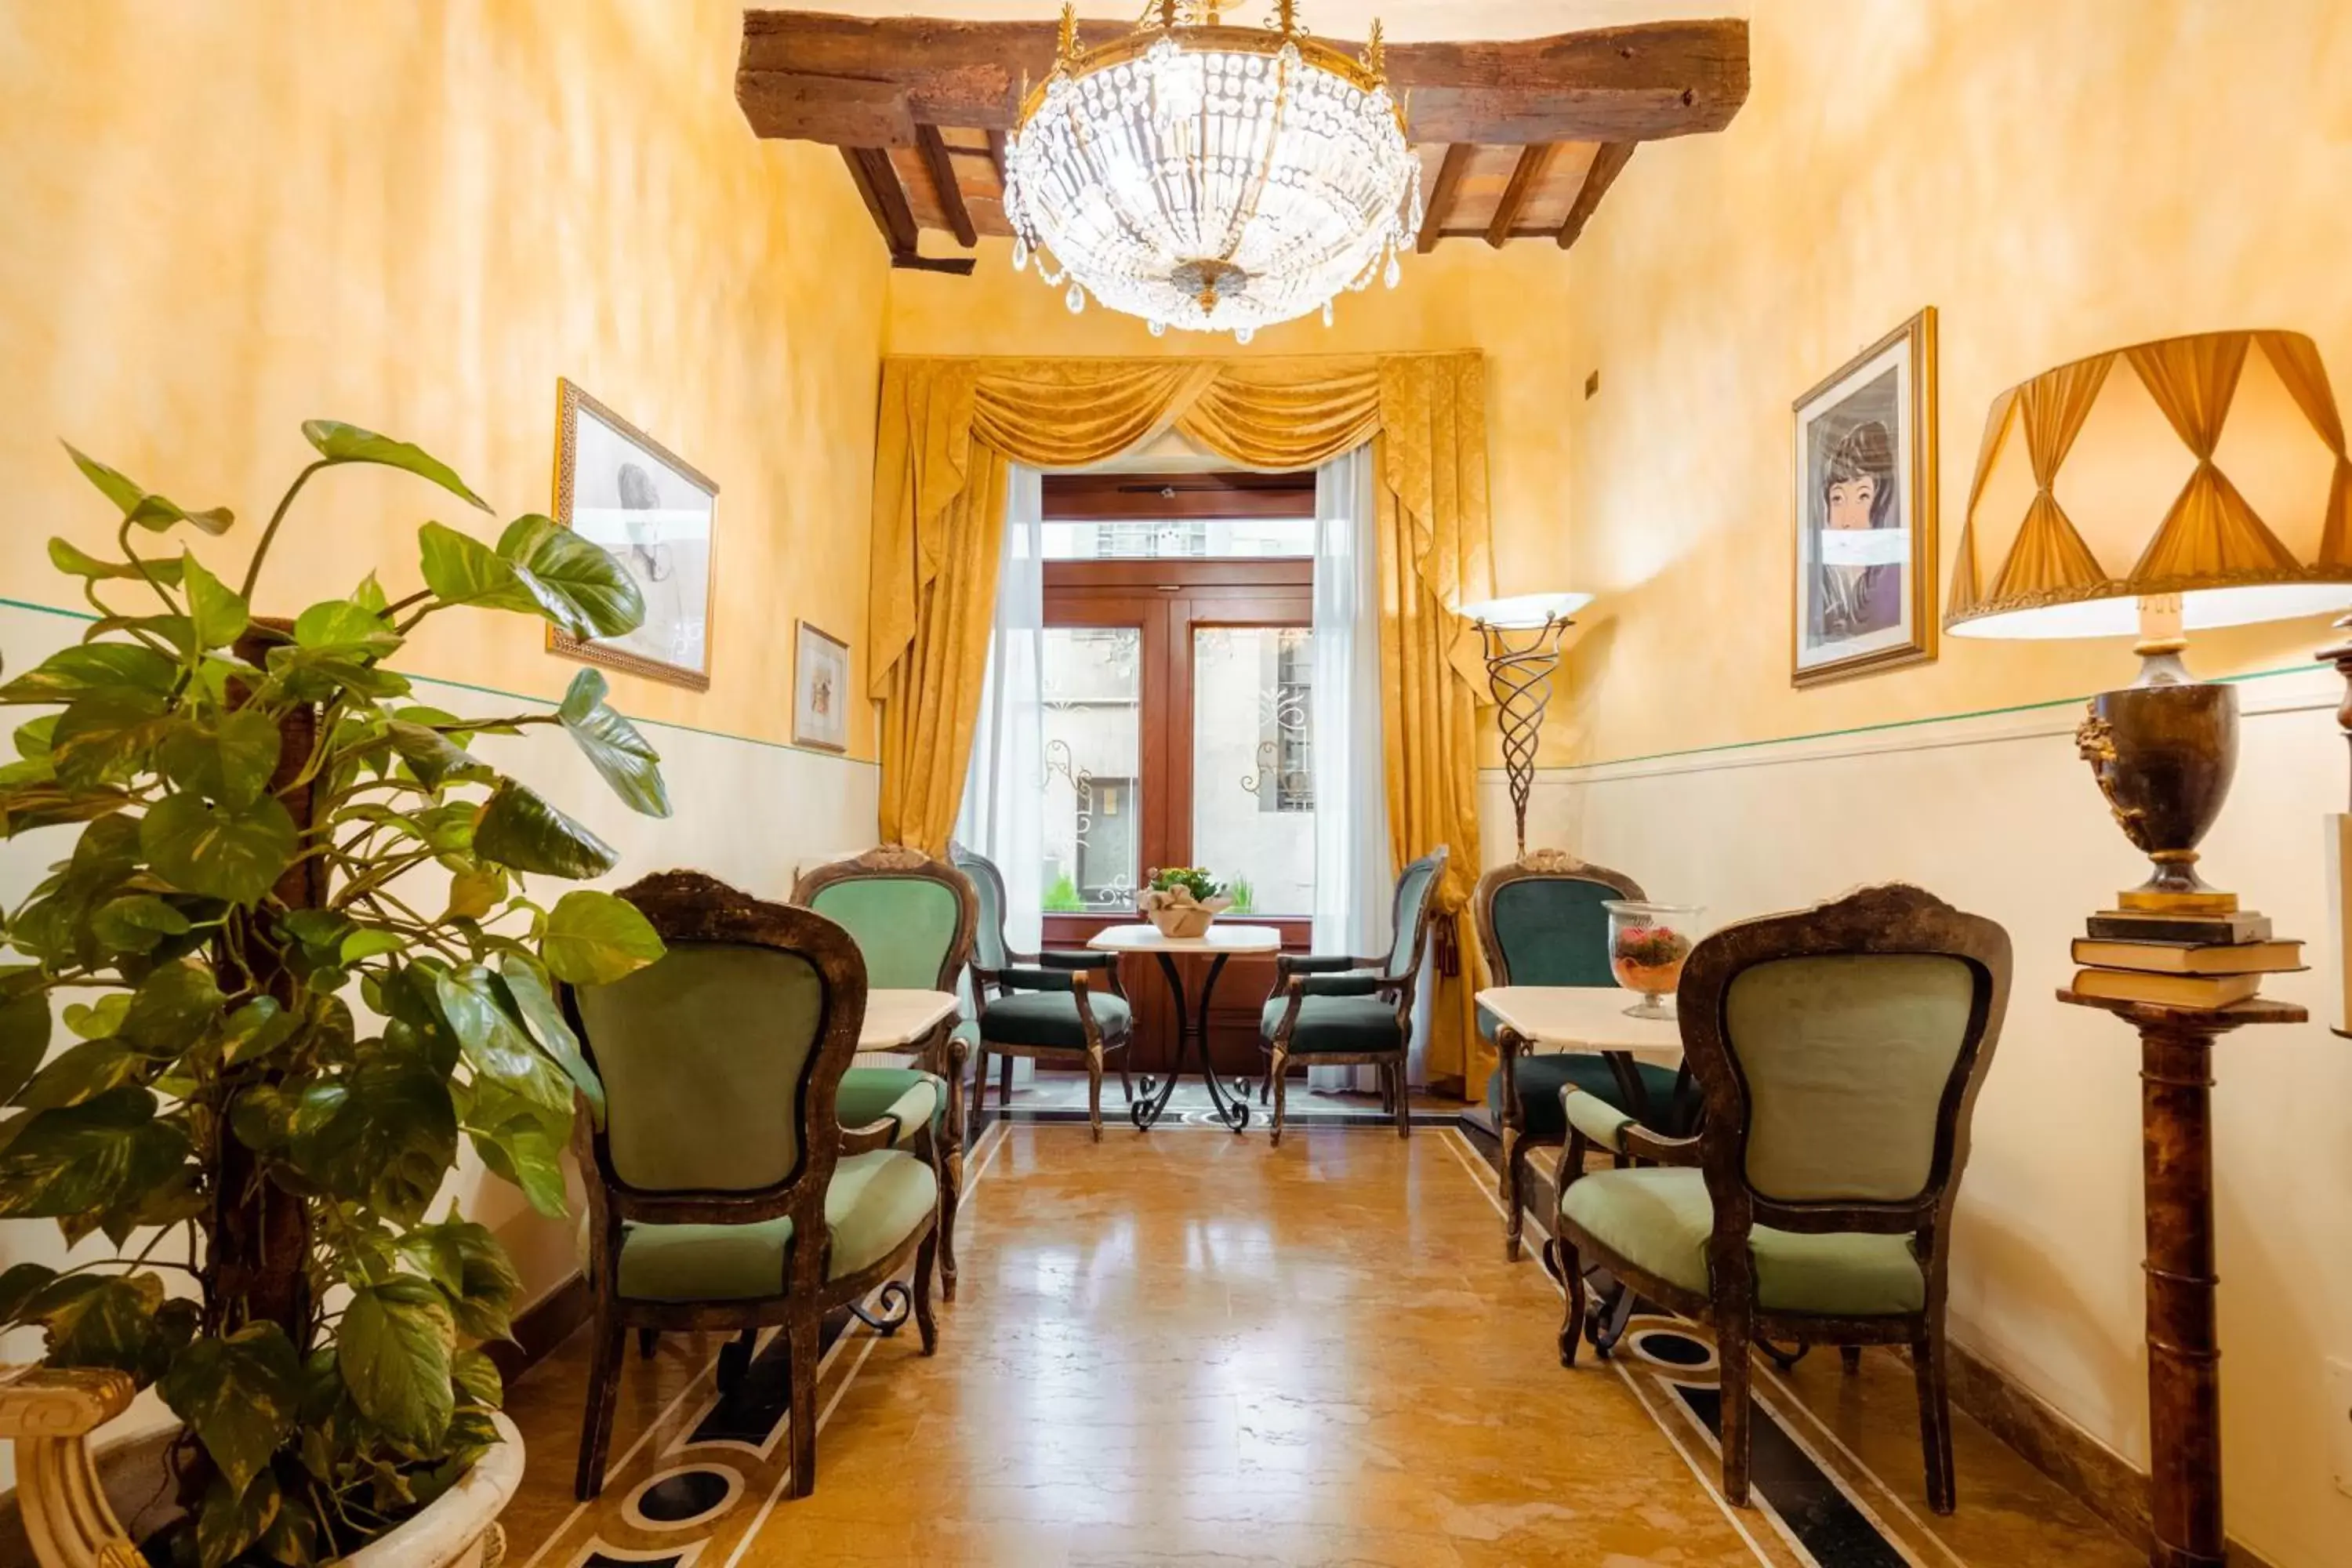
(1670, 1349)
(684, 1498)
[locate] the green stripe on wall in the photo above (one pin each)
(514, 695)
(1891, 724)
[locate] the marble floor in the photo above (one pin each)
(1190, 1348)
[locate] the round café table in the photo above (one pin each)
(1221, 942)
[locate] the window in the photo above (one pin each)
(1179, 669)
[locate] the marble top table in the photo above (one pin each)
(1584, 1019)
(902, 1020)
(1220, 943)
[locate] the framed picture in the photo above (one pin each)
(1865, 514)
(820, 689)
(619, 487)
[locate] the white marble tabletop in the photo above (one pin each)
(1218, 938)
(900, 1020)
(1585, 1018)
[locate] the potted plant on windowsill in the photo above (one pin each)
(281, 1044)
(1182, 901)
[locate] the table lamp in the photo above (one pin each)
(1521, 635)
(2164, 489)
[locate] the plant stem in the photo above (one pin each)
(261, 551)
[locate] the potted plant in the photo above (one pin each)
(287, 930)
(1182, 901)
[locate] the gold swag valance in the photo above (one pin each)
(947, 429)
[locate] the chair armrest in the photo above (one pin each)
(1352, 984)
(1600, 1122)
(1290, 964)
(1075, 959)
(1641, 1144)
(880, 1135)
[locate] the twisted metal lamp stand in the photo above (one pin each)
(1520, 665)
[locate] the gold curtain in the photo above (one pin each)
(948, 428)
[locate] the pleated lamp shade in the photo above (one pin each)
(2212, 467)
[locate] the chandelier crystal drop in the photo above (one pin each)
(1209, 177)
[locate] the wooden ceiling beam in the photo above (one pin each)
(1608, 84)
(941, 168)
(1526, 176)
(1608, 162)
(1440, 205)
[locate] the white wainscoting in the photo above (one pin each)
(1997, 815)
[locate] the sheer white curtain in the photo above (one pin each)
(1353, 880)
(1001, 818)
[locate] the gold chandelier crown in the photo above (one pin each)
(1210, 177)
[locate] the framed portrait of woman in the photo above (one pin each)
(1864, 590)
(619, 487)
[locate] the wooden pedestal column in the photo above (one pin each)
(2184, 1345)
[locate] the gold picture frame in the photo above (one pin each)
(821, 689)
(1862, 588)
(658, 515)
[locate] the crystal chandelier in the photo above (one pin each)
(1211, 178)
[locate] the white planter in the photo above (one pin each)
(458, 1529)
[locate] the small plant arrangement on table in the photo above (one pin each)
(289, 930)
(1647, 946)
(1182, 901)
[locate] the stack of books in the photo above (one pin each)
(2179, 960)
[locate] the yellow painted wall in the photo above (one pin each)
(224, 219)
(2056, 177)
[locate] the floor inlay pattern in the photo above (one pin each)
(1208, 1351)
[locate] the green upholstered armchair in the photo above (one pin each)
(1337, 1011)
(1040, 1006)
(1540, 923)
(722, 1191)
(1840, 1050)
(913, 917)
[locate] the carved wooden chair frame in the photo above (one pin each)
(1042, 970)
(1892, 919)
(686, 908)
(1297, 976)
(943, 1053)
(1518, 1146)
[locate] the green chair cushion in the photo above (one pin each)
(1659, 1219)
(912, 1096)
(1051, 1018)
(1336, 1024)
(876, 1202)
(1541, 1076)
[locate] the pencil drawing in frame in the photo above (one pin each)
(1864, 545)
(820, 689)
(657, 515)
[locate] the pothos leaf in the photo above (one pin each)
(341, 443)
(614, 746)
(395, 1350)
(520, 829)
(221, 852)
(238, 1394)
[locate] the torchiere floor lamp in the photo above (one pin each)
(1522, 634)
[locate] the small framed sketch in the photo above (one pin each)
(820, 689)
(619, 487)
(1865, 510)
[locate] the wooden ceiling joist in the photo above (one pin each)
(1608, 162)
(1532, 129)
(1438, 205)
(944, 184)
(1524, 176)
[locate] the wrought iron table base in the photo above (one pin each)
(1192, 1031)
